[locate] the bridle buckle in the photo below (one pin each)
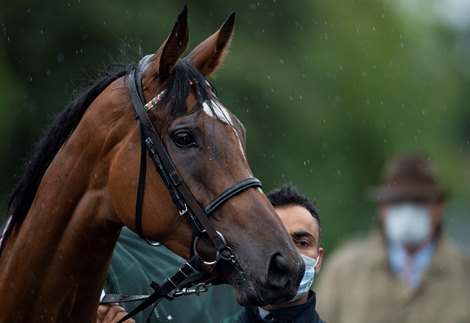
(183, 212)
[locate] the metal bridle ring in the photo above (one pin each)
(217, 255)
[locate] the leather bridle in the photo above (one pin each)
(184, 200)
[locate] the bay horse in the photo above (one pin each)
(81, 187)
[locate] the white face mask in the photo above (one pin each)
(408, 224)
(307, 279)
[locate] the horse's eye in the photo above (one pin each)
(184, 139)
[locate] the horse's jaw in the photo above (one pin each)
(250, 291)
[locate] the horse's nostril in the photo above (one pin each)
(279, 263)
(279, 271)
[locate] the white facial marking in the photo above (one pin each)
(221, 113)
(217, 111)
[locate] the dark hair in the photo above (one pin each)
(289, 195)
(186, 76)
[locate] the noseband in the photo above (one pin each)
(184, 200)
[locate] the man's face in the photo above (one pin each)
(304, 230)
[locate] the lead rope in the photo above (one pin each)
(169, 285)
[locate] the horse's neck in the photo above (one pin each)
(55, 264)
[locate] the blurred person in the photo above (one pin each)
(301, 220)
(406, 270)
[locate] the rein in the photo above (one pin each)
(184, 200)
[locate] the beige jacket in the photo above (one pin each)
(357, 286)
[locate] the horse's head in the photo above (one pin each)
(206, 143)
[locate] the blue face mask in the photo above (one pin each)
(307, 279)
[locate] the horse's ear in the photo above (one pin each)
(209, 54)
(166, 57)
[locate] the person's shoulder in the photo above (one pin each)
(246, 316)
(350, 251)
(453, 253)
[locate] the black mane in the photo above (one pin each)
(45, 150)
(185, 77)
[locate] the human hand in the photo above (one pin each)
(111, 313)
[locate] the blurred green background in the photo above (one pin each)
(328, 90)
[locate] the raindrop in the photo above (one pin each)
(60, 57)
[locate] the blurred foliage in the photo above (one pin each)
(328, 90)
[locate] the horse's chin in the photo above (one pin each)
(250, 292)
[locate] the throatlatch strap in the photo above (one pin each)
(141, 189)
